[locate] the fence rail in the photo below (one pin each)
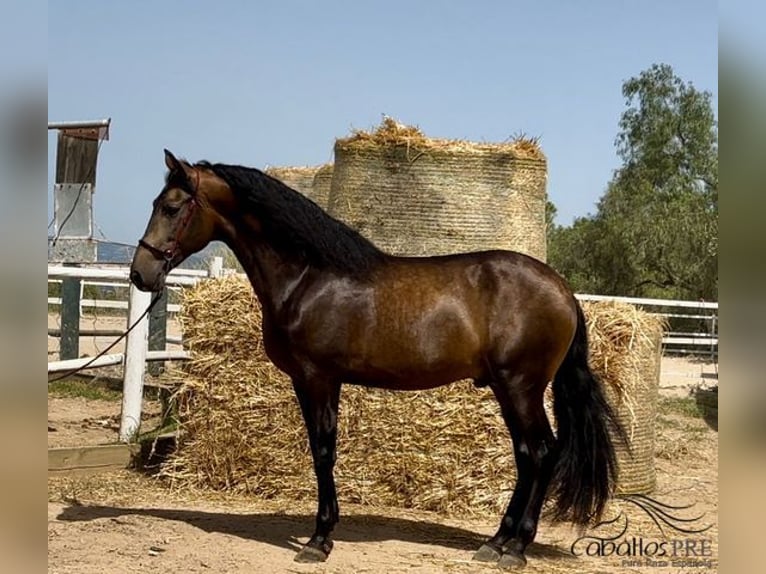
(114, 359)
(175, 277)
(137, 353)
(106, 303)
(689, 340)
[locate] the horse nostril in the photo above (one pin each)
(135, 278)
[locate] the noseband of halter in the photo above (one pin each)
(169, 254)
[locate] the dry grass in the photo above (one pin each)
(681, 426)
(393, 133)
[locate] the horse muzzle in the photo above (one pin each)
(147, 272)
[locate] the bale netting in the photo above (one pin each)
(626, 351)
(322, 184)
(445, 450)
(299, 178)
(412, 195)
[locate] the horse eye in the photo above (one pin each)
(170, 210)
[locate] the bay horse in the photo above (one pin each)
(336, 309)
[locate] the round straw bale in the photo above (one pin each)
(412, 195)
(299, 178)
(626, 351)
(322, 184)
(445, 450)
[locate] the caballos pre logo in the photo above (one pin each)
(684, 548)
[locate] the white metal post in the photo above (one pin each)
(136, 347)
(216, 266)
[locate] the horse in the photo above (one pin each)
(336, 309)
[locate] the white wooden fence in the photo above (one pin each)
(136, 345)
(702, 313)
(137, 354)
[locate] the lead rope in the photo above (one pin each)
(112, 344)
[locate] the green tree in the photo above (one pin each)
(550, 217)
(656, 229)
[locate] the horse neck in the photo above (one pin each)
(274, 275)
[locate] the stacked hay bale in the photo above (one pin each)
(445, 449)
(299, 178)
(322, 185)
(412, 195)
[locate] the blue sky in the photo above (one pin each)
(275, 82)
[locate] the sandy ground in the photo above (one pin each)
(680, 375)
(122, 522)
(127, 522)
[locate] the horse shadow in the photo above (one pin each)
(279, 529)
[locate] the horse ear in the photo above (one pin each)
(180, 169)
(171, 162)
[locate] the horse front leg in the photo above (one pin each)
(319, 404)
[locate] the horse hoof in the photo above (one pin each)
(310, 555)
(511, 559)
(487, 553)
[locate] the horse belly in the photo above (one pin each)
(409, 379)
(416, 356)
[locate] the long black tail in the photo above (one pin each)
(586, 470)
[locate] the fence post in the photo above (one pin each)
(69, 345)
(135, 364)
(216, 267)
(158, 331)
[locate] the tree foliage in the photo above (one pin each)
(656, 229)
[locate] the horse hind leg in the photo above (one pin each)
(521, 403)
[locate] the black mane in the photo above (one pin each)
(296, 225)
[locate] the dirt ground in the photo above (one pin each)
(124, 523)
(127, 522)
